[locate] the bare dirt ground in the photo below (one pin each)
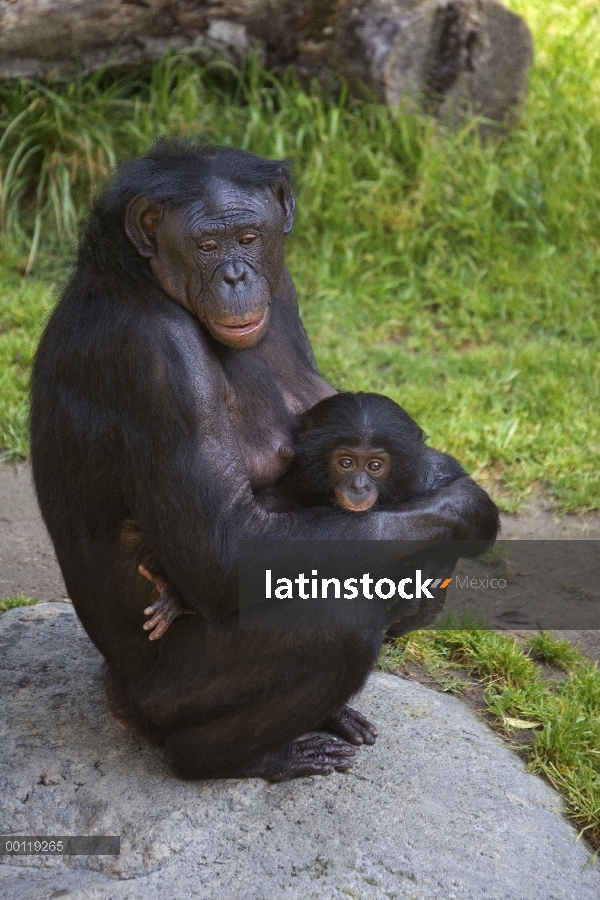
(27, 561)
(28, 565)
(539, 522)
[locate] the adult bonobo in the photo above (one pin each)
(165, 386)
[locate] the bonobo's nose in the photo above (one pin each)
(361, 484)
(234, 271)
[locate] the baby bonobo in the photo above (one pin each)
(350, 450)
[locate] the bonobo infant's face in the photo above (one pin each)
(358, 475)
(220, 257)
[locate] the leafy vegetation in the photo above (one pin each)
(458, 276)
(554, 707)
(13, 602)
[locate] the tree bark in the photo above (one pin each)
(453, 53)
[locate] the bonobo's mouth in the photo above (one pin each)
(354, 504)
(238, 331)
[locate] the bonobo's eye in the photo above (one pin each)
(344, 462)
(374, 465)
(247, 239)
(207, 246)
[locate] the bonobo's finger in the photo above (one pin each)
(153, 622)
(157, 625)
(168, 607)
(155, 608)
(159, 630)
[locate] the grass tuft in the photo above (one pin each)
(559, 653)
(13, 602)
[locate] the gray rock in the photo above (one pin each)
(438, 808)
(457, 53)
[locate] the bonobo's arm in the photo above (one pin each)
(186, 485)
(436, 476)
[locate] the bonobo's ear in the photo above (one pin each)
(141, 220)
(287, 201)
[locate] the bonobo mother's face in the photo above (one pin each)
(220, 257)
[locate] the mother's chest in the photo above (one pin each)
(262, 406)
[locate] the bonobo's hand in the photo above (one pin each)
(165, 609)
(461, 511)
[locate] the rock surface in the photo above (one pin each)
(456, 53)
(438, 808)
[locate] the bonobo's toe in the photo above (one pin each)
(350, 724)
(316, 755)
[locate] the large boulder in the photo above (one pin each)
(439, 807)
(451, 53)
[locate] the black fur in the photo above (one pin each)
(350, 419)
(139, 415)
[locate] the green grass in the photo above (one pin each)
(24, 305)
(13, 602)
(460, 278)
(557, 711)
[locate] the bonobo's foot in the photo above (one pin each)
(316, 755)
(165, 609)
(351, 725)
